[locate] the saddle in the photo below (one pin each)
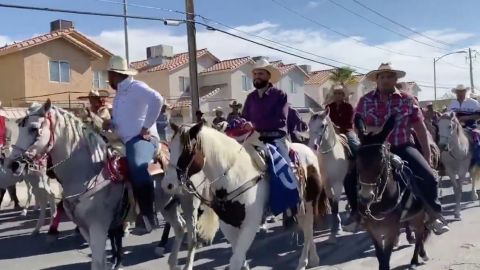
(344, 142)
(117, 164)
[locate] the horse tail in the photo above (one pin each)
(208, 223)
(475, 174)
(316, 193)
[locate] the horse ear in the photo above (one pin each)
(47, 106)
(193, 132)
(174, 127)
(388, 126)
(327, 111)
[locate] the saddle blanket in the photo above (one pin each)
(283, 183)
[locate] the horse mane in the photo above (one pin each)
(459, 130)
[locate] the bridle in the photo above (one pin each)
(196, 161)
(455, 128)
(381, 180)
(321, 136)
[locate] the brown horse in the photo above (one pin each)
(385, 201)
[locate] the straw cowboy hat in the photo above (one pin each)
(265, 65)
(118, 64)
(339, 87)
(460, 87)
(384, 67)
(218, 109)
(235, 104)
(95, 93)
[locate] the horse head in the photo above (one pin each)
(317, 126)
(186, 157)
(35, 136)
(372, 159)
(448, 125)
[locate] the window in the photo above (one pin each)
(59, 71)
(100, 79)
(184, 84)
(291, 86)
(247, 83)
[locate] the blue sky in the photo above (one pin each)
(451, 21)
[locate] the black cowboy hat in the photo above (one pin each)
(235, 104)
(198, 112)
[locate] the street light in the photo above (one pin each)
(435, 60)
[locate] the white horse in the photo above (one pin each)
(238, 188)
(456, 156)
(91, 200)
(333, 162)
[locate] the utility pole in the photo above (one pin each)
(471, 70)
(434, 80)
(125, 29)
(192, 56)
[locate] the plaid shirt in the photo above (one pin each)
(375, 112)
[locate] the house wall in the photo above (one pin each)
(157, 80)
(12, 78)
(37, 76)
(238, 93)
(296, 98)
(221, 99)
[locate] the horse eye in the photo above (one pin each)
(33, 130)
(449, 126)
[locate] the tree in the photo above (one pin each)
(343, 75)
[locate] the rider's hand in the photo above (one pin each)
(248, 126)
(145, 134)
(428, 157)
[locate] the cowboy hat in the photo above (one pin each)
(235, 104)
(339, 87)
(218, 109)
(118, 64)
(95, 93)
(198, 112)
(263, 64)
(460, 87)
(384, 67)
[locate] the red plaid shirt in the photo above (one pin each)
(375, 112)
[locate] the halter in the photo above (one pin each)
(379, 185)
(322, 136)
(449, 140)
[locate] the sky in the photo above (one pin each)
(319, 28)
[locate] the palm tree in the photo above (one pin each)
(343, 75)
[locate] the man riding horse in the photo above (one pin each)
(375, 108)
(135, 109)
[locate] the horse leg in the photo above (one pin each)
(98, 237)
(457, 191)
(420, 231)
(309, 254)
(244, 240)
(115, 236)
(53, 233)
(383, 255)
(474, 175)
(29, 198)
(172, 216)
(190, 214)
(43, 206)
(409, 235)
(160, 249)
(335, 219)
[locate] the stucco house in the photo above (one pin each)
(51, 65)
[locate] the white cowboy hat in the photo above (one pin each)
(95, 93)
(118, 64)
(384, 67)
(339, 87)
(218, 109)
(460, 87)
(262, 63)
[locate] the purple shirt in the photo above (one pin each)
(295, 122)
(269, 112)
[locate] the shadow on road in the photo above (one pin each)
(75, 266)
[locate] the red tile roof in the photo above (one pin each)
(177, 61)
(229, 64)
(70, 34)
(284, 69)
(319, 77)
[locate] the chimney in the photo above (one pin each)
(306, 68)
(256, 58)
(159, 54)
(60, 25)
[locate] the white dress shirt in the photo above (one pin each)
(468, 105)
(135, 106)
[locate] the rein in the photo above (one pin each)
(385, 173)
(323, 136)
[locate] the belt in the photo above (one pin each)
(272, 133)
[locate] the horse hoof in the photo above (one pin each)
(411, 241)
(24, 212)
(474, 196)
(412, 267)
(425, 258)
(457, 217)
(35, 233)
(159, 251)
(313, 262)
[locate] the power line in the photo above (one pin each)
(399, 24)
(343, 34)
(240, 31)
(382, 26)
(144, 6)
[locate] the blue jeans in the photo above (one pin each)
(139, 154)
(281, 144)
(353, 141)
(162, 132)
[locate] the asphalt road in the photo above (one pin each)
(456, 250)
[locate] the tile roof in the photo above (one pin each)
(177, 61)
(70, 34)
(319, 77)
(284, 69)
(229, 64)
(204, 92)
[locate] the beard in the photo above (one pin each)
(259, 83)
